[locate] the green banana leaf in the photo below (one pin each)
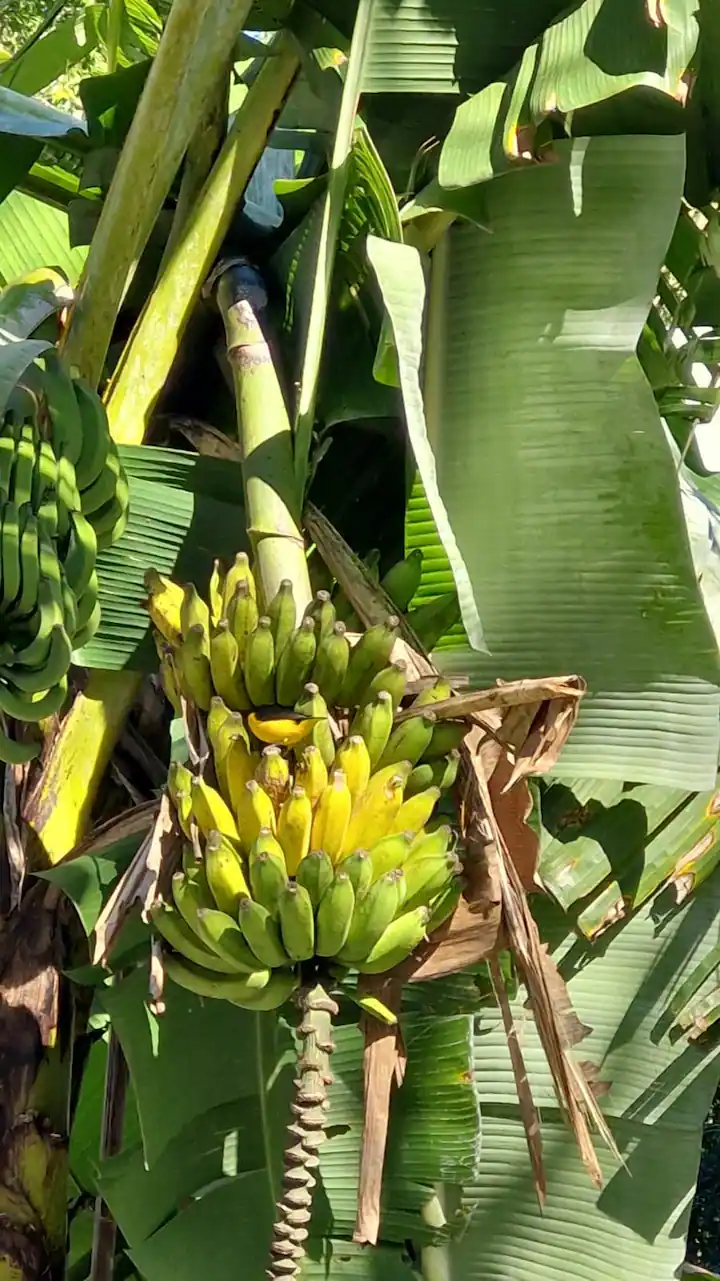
(660, 1088)
(184, 511)
(61, 47)
(34, 234)
(578, 560)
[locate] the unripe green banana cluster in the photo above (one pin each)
(305, 846)
(63, 495)
(429, 621)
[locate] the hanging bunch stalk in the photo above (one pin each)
(271, 496)
(305, 1134)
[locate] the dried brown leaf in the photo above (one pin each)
(383, 1065)
(548, 735)
(132, 822)
(205, 439)
(512, 809)
(564, 690)
(139, 884)
(573, 1030)
(14, 845)
(528, 1110)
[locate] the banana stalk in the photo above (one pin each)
(146, 361)
(305, 1133)
(189, 62)
(271, 497)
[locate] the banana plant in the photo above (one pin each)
(549, 113)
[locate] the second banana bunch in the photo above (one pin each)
(63, 496)
(304, 846)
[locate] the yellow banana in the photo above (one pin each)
(210, 811)
(273, 775)
(254, 812)
(332, 816)
(164, 598)
(294, 828)
(311, 773)
(239, 765)
(215, 592)
(389, 853)
(238, 572)
(224, 872)
(195, 613)
(192, 666)
(373, 816)
(353, 757)
(415, 812)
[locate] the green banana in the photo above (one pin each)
(373, 723)
(259, 664)
(224, 871)
(297, 922)
(69, 607)
(438, 773)
(262, 934)
(426, 877)
(110, 521)
(315, 872)
(334, 915)
(331, 663)
(226, 673)
(432, 843)
(446, 737)
(368, 657)
(322, 612)
(311, 773)
(403, 579)
(95, 434)
(24, 707)
(295, 663)
(433, 619)
(254, 811)
(62, 408)
(29, 565)
(191, 894)
(392, 679)
(409, 740)
(359, 868)
(268, 873)
(48, 612)
(227, 941)
(13, 752)
(10, 553)
(444, 904)
(242, 615)
(222, 727)
(179, 785)
(7, 457)
(195, 613)
(105, 487)
(239, 572)
(33, 680)
(68, 499)
(193, 668)
(24, 467)
(44, 476)
(79, 559)
(311, 703)
(282, 613)
(371, 917)
(238, 990)
(416, 812)
(436, 693)
(84, 634)
(397, 942)
(390, 852)
(174, 929)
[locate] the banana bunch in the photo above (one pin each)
(305, 846)
(62, 496)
